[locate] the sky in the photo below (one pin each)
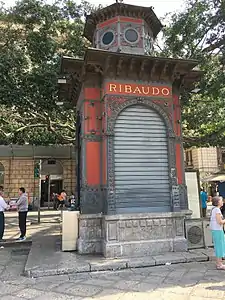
(161, 7)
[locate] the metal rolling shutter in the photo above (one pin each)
(141, 162)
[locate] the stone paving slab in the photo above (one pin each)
(169, 258)
(186, 281)
(141, 262)
(107, 264)
(46, 259)
(13, 243)
(209, 252)
(195, 256)
(48, 267)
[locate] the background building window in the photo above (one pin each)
(223, 157)
(2, 173)
(188, 158)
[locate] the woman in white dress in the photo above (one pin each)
(216, 225)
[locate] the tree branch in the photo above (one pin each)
(214, 46)
(208, 138)
(157, 45)
(4, 133)
(29, 126)
(201, 41)
(66, 126)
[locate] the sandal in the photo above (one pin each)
(221, 267)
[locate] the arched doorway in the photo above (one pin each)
(141, 167)
(51, 181)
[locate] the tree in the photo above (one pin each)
(33, 37)
(35, 34)
(198, 33)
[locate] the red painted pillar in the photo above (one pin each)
(177, 130)
(179, 152)
(91, 151)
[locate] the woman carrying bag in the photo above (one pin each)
(216, 225)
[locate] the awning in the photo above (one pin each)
(215, 177)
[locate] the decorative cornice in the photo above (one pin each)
(123, 64)
(72, 70)
(142, 68)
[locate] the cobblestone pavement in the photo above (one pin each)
(193, 281)
(49, 218)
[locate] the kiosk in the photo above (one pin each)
(130, 166)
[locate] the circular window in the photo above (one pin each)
(108, 38)
(131, 35)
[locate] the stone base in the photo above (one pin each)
(180, 244)
(143, 248)
(139, 235)
(89, 247)
(90, 234)
(132, 235)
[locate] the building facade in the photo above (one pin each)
(207, 160)
(32, 166)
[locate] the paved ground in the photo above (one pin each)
(192, 281)
(52, 261)
(48, 219)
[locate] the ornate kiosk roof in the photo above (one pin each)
(121, 9)
(121, 58)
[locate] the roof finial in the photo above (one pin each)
(117, 1)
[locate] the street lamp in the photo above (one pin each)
(62, 80)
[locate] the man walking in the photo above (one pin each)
(3, 207)
(22, 206)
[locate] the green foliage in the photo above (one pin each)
(33, 37)
(198, 33)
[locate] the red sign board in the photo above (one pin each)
(117, 88)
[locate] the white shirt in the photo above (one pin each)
(213, 222)
(3, 204)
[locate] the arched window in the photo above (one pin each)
(2, 173)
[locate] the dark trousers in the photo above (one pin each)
(2, 224)
(23, 223)
(204, 212)
(61, 203)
